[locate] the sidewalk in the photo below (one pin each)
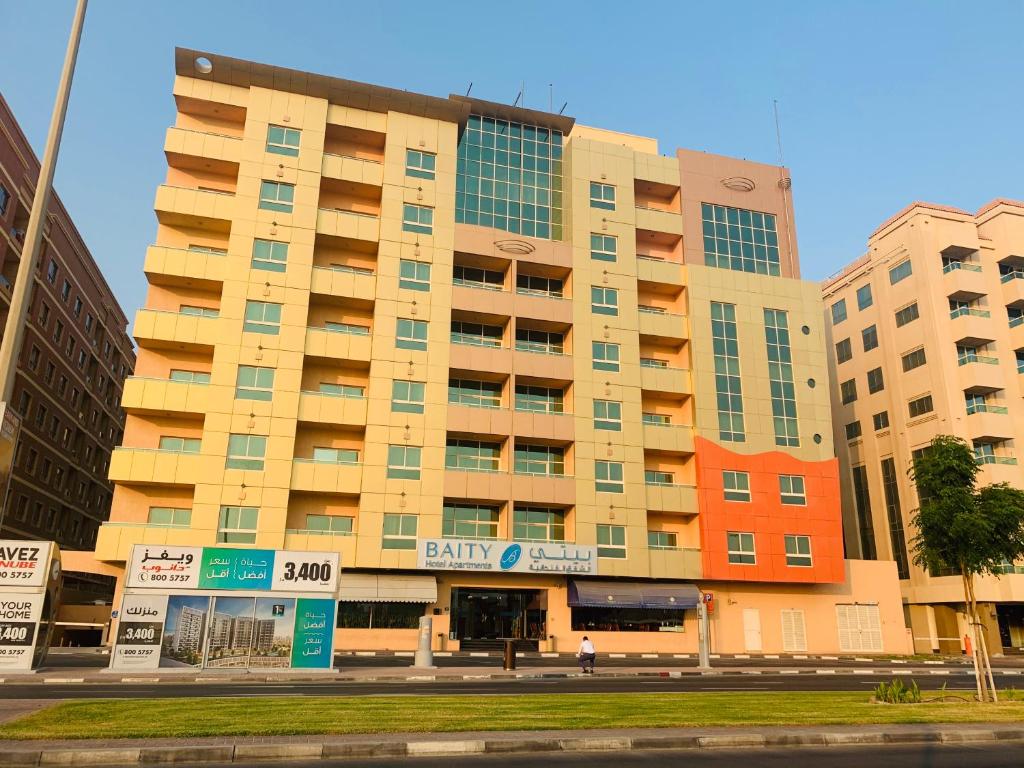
(226, 750)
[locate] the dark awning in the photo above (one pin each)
(632, 594)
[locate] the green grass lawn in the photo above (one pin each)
(153, 718)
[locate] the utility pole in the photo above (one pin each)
(21, 293)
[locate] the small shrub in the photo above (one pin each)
(898, 693)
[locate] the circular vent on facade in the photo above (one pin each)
(514, 246)
(738, 184)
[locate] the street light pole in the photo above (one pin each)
(21, 293)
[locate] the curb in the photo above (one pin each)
(418, 748)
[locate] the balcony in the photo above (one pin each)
(673, 381)
(963, 278)
(676, 563)
(467, 484)
(1013, 287)
(538, 364)
(662, 325)
(999, 469)
(218, 147)
(318, 541)
(323, 408)
(981, 373)
(990, 425)
(479, 300)
(114, 540)
(653, 270)
(672, 499)
(657, 220)
(356, 226)
(482, 421)
(558, 490)
(321, 477)
(343, 283)
(540, 307)
(971, 327)
(321, 342)
(149, 466)
(671, 438)
(544, 426)
(159, 396)
(157, 328)
(204, 209)
(184, 267)
(490, 359)
(355, 169)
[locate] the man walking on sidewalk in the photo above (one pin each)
(587, 655)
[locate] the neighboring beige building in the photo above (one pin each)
(926, 337)
(390, 325)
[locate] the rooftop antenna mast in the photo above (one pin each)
(785, 184)
(778, 130)
(470, 88)
(551, 97)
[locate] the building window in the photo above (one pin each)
(475, 394)
(913, 360)
(5, 198)
(658, 477)
(179, 444)
(65, 291)
(44, 314)
(741, 548)
(876, 383)
(606, 356)
(411, 334)
(77, 306)
(88, 322)
(237, 525)
(839, 312)
(469, 521)
(58, 332)
(420, 165)
(908, 314)
(535, 285)
(283, 141)
(254, 383)
(538, 399)
(51, 271)
(269, 255)
(611, 541)
(920, 406)
(862, 506)
(603, 247)
(417, 218)
(475, 277)
(246, 452)
(880, 420)
(608, 476)
(848, 391)
(853, 430)
(476, 334)
(741, 240)
(51, 370)
(542, 342)
(844, 351)
(864, 297)
(780, 377)
(869, 338)
(276, 196)
(736, 485)
(900, 272)
(407, 396)
(472, 455)
(414, 275)
(604, 301)
(399, 531)
(791, 490)
(262, 317)
(404, 462)
(798, 551)
(661, 540)
(656, 419)
(538, 524)
(608, 415)
(545, 460)
(727, 372)
(190, 377)
(329, 524)
(171, 517)
(897, 537)
(33, 357)
(602, 196)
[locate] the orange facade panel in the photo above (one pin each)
(767, 518)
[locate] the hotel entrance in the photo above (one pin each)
(482, 619)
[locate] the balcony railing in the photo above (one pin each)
(482, 470)
(995, 459)
(475, 341)
(539, 292)
(652, 362)
(1017, 274)
(986, 408)
(539, 349)
(312, 532)
(329, 462)
(965, 311)
(954, 265)
(983, 359)
(350, 270)
(353, 157)
(345, 395)
(480, 284)
(351, 212)
(651, 310)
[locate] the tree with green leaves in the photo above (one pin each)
(973, 531)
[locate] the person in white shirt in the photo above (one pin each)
(587, 654)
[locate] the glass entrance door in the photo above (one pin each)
(498, 614)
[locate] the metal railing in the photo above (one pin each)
(986, 408)
(954, 265)
(983, 359)
(964, 311)
(351, 213)
(353, 157)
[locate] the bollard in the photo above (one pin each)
(510, 654)
(424, 655)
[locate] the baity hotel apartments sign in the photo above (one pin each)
(515, 557)
(227, 608)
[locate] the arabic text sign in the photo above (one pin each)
(140, 631)
(503, 556)
(254, 570)
(24, 563)
(19, 618)
(314, 634)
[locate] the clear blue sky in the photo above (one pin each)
(882, 103)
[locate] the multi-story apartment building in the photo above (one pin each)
(926, 337)
(73, 362)
(404, 328)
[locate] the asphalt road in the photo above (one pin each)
(889, 756)
(725, 682)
